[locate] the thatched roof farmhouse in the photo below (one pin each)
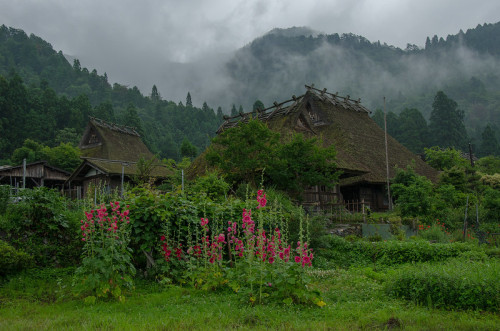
(109, 151)
(358, 140)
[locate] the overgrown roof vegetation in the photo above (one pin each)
(339, 122)
(105, 140)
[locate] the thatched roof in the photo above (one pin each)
(94, 166)
(108, 149)
(111, 141)
(343, 122)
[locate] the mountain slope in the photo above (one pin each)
(465, 65)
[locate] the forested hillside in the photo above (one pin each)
(46, 99)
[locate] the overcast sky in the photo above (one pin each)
(117, 35)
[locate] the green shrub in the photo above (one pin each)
(436, 232)
(457, 284)
(12, 260)
(413, 193)
(344, 253)
(491, 204)
(42, 225)
(4, 198)
(212, 185)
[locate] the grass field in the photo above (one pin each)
(355, 299)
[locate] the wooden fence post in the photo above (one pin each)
(363, 208)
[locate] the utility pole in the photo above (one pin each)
(387, 159)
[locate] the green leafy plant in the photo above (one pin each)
(45, 225)
(4, 197)
(106, 269)
(437, 232)
(461, 283)
(13, 260)
(259, 264)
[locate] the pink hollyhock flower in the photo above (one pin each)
(297, 259)
(259, 192)
(306, 259)
(221, 238)
(271, 260)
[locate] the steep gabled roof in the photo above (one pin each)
(111, 141)
(345, 123)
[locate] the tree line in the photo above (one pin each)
(445, 128)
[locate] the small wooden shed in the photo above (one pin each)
(35, 174)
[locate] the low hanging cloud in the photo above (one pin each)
(181, 45)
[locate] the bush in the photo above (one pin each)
(413, 193)
(344, 253)
(12, 260)
(211, 184)
(491, 205)
(42, 225)
(437, 232)
(4, 198)
(457, 284)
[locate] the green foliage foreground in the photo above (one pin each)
(462, 283)
(355, 299)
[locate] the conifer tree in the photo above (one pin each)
(489, 143)
(413, 131)
(205, 107)
(188, 149)
(446, 124)
(132, 119)
(155, 96)
(234, 112)
(189, 102)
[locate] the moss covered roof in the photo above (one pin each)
(343, 122)
(111, 141)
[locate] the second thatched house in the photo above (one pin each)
(358, 140)
(112, 154)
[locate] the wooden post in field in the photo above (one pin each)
(465, 218)
(24, 173)
(363, 208)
